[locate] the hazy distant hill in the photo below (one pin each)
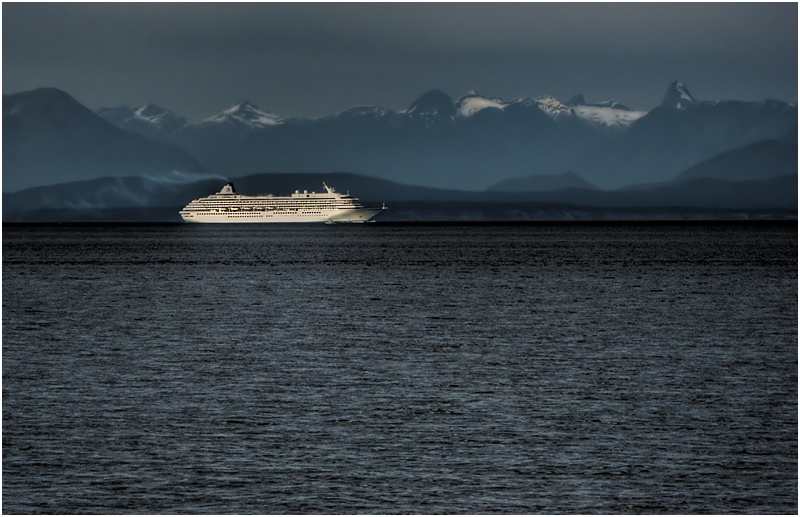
(541, 183)
(139, 199)
(50, 138)
(134, 192)
(761, 160)
(102, 193)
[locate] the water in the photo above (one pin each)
(560, 368)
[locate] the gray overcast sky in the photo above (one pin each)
(317, 59)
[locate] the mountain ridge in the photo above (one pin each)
(49, 138)
(437, 136)
(469, 143)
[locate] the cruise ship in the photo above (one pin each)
(226, 206)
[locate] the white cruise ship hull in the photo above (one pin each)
(226, 206)
(361, 215)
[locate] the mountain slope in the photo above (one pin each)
(244, 117)
(680, 133)
(762, 160)
(149, 120)
(50, 138)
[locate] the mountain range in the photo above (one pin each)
(50, 138)
(473, 143)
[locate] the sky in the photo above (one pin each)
(311, 60)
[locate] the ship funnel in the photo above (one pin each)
(228, 189)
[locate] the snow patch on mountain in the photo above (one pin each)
(145, 119)
(472, 103)
(159, 117)
(150, 112)
(607, 116)
(362, 111)
(556, 109)
(247, 114)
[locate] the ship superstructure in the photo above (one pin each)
(226, 206)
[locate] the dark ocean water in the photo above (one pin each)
(561, 368)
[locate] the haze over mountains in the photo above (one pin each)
(561, 151)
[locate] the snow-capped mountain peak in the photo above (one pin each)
(150, 111)
(242, 108)
(145, 119)
(553, 107)
(159, 117)
(248, 114)
(678, 97)
(605, 115)
(608, 116)
(471, 103)
(431, 105)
